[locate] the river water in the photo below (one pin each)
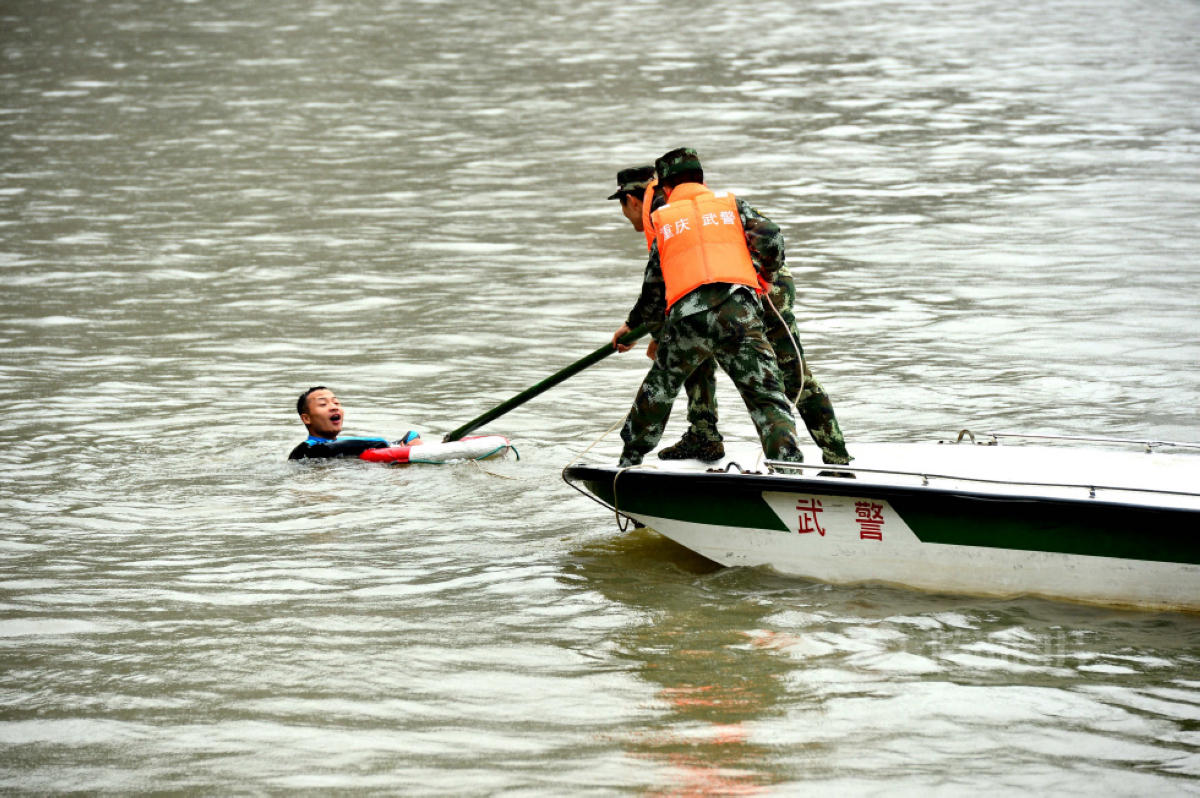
(206, 207)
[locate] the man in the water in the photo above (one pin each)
(321, 412)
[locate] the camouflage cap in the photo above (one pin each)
(679, 160)
(633, 179)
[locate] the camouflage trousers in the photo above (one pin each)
(813, 404)
(731, 335)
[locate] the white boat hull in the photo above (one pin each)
(1114, 528)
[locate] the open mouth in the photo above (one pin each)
(336, 418)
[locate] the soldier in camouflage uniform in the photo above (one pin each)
(765, 240)
(717, 321)
(702, 440)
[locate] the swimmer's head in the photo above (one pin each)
(321, 412)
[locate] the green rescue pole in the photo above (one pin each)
(546, 384)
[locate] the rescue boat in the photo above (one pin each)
(1093, 520)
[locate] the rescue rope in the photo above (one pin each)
(795, 344)
(493, 473)
(622, 525)
(616, 499)
(603, 435)
(615, 508)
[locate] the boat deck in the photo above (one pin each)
(1138, 474)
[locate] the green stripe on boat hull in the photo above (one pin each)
(1076, 527)
(736, 504)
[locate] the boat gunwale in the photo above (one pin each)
(926, 475)
(840, 486)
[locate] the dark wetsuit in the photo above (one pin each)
(317, 448)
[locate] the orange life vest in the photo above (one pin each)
(701, 241)
(647, 201)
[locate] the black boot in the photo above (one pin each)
(691, 447)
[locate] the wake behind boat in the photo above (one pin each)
(985, 517)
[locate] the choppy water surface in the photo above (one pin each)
(206, 207)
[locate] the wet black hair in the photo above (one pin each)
(302, 402)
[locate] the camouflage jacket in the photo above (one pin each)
(763, 238)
